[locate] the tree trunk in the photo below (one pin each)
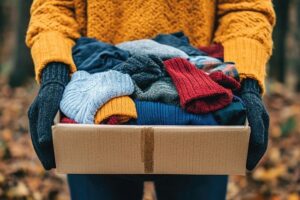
(277, 62)
(22, 65)
(298, 41)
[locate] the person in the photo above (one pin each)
(243, 27)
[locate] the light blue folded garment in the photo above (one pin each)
(86, 93)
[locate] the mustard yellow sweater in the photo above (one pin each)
(244, 27)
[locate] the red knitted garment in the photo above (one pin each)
(224, 80)
(113, 120)
(67, 120)
(198, 93)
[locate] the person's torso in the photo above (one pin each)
(115, 21)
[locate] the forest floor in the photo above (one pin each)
(22, 176)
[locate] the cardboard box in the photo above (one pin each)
(124, 149)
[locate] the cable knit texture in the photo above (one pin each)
(243, 27)
(86, 93)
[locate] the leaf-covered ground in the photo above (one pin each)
(22, 176)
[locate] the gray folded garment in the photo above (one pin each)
(151, 81)
(146, 47)
(162, 90)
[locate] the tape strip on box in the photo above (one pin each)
(147, 151)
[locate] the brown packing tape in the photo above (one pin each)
(147, 148)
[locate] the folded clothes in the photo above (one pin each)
(179, 41)
(233, 114)
(155, 113)
(119, 106)
(86, 93)
(94, 56)
(145, 47)
(215, 50)
(198, 93)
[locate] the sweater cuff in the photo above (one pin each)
(250, 58)
(55, 72)
(51, 47)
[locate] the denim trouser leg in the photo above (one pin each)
(123, 187)
(104, 187)
(190, 187)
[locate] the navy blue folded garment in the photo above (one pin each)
(233, 114)
(180, 41)
(155, 113)
(94, 56)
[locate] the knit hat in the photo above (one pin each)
(179, 41)
(144, 70)
(198, 93)
(122, 106)
(87, 92)
(215, 50)
(155, 113)
(149, 47)
(224, 80)
(94, 56)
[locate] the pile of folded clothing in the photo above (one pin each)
(158, 81)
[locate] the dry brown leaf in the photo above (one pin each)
(2, 178)
(6, 134)
(293, 196)
(20, 190)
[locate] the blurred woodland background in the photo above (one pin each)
(22, 177)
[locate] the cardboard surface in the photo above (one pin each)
(124, 149)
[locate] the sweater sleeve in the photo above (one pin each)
(245, 30)
(51, 33)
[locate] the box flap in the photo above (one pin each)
(97, 149)
(205, 150)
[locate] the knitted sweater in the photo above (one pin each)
(243, 27)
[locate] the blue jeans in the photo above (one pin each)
(168, 187)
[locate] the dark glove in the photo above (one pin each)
(258, 120)
(42, 111)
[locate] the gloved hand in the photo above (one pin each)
(258, 120)
(42, 111)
